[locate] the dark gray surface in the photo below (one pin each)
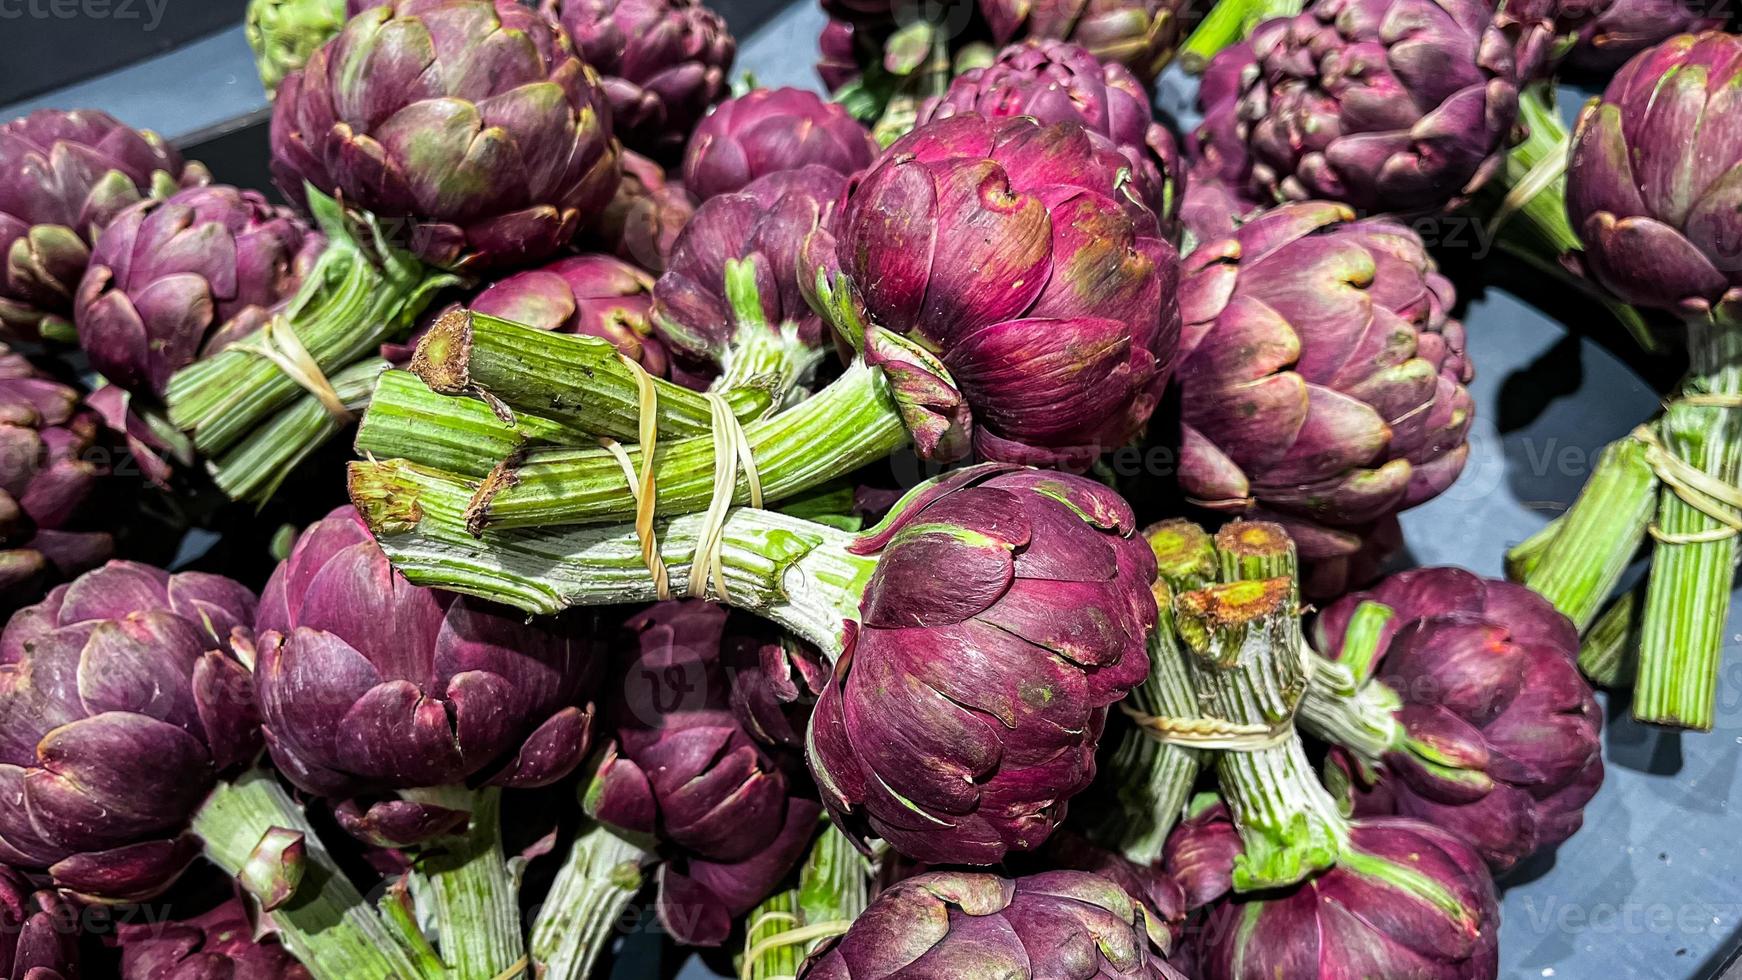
(1652, 887)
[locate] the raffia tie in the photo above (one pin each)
(731, 450)
(277, 342)
(802, 934)
(1720, 501)
(1215, 734)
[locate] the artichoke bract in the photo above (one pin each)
(1389, 106)
(1626, 27)
(1058, 925)
(589, 295)
(727, 810)
(1323, 382)
(768, 130)
(838, 57)
(63, 177)
(1139, 34)
(284, 33)
(428, 690)
(1500, 733)
(420, 110)
(1018, 252)
(1660, 228)
(960, 721)
(1407, 899)
(663, 64)
(1055, 81)
(1543, 32)
(49, 472)
(120, 697)
(39, 931)
(175, 280)
(738, 266)
(217, 943)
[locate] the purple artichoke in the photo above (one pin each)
(1624, 28)
(120, 705)
(775, 681)
(642, 222)
(1058, 925)
(63, 177)
(1500, 732)
(959, 721)
(1418, 903)
(176, 280)
(418, 110)
(838, 61)
(1139, 34)
(428, 689)
(1651, 189)
(1389, 106)
(663, 64)
(39, 931)
(1544, 31)
(765, 225)
(1017, 253)
(218, 944)
(685, 770)
(48, 474)
(769, 130)
(589, 295)
(1054, 81)
(1323, 384)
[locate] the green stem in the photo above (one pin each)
(1343, 705)
(796, 573)
(1610, 651)
(852, 423)
(1599, 536)
(834, 886)
(1227, 24)
(469, 888)
(1536, 229)
(578, 382)
(325, 922)
(600, 876)
(1153, 779)
(1523, 557)
(1688, 599)
(1245, 644)
(406, 420)
(360, 294)
(254, 468)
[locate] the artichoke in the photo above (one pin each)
(49, 477)
(589, 295)
(663, 64)
(1389, 106)
(768, 130)
(1055, 81)
(1624, 28)
(1407, 899)
(960, 721)
(1660, 229)
(429, 689)
(1139, 34)
(1544, 31)
(1058, 925)
(63, 177)
(284, 33)
(685, 770)
(176, 280)
(738, 266)
(39, 938)
(1323, 384)
(120, 705)
(1019, 254)
(642, 222)
(419, 107)
(1499, 732)
(218, 944)
(838, 58)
